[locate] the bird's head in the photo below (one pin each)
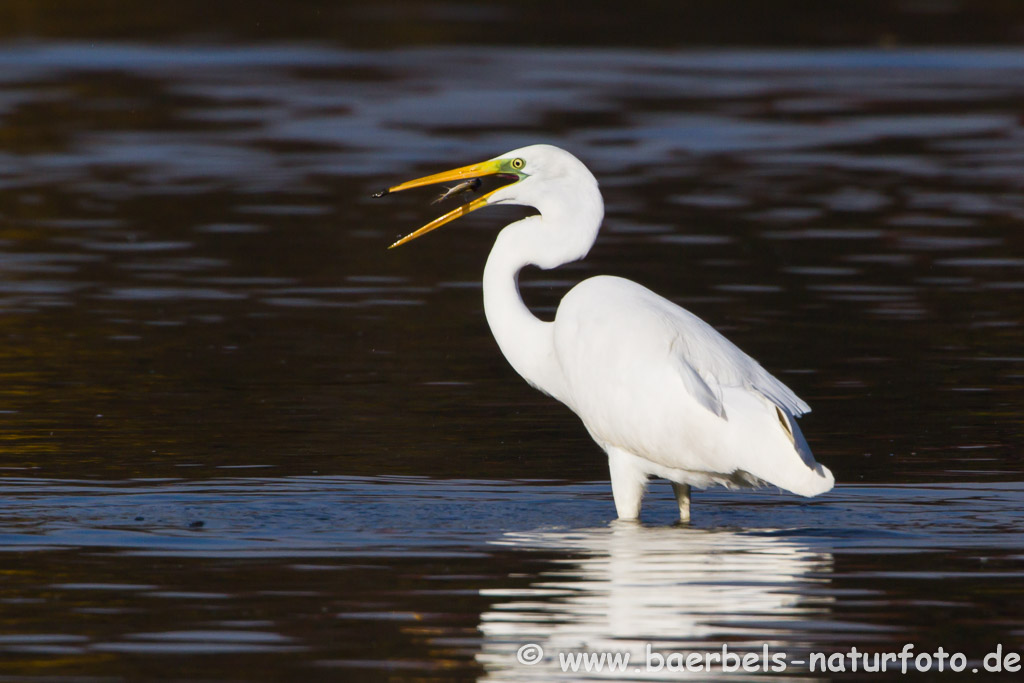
(543, 176)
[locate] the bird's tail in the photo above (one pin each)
(812, 481)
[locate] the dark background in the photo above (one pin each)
(646, 23)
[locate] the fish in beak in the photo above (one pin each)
(467, 177)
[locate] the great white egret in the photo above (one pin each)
(658, 389)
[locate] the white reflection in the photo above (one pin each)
(679, 589)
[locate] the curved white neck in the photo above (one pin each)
(525, 340)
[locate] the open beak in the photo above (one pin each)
(492, 167)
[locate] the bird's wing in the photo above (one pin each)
(707, 394)
(705, 357)
(633, 365)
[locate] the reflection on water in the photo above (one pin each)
(269, 578)
(628, 587)
(233, 425)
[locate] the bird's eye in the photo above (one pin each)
(518, 164)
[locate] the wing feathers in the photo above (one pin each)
(710, 398)
(708, 362)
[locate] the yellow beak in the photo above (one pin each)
(464, 173)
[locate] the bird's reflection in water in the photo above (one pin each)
(678, 589)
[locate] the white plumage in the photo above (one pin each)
(658, 389)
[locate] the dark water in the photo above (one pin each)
(242, 441)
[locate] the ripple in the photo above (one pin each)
(298, 514)
(137, 246)
(981, 262)
(924, 220)
(822, 271)
(695, 240)
(231, 228)
(169, 294)
(947, 242)
(824, 234)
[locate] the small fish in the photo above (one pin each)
(465, 186)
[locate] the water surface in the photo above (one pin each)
(235, 427)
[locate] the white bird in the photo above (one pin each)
(661, 391)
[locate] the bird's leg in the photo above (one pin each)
(628, 483)
(682, 492)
